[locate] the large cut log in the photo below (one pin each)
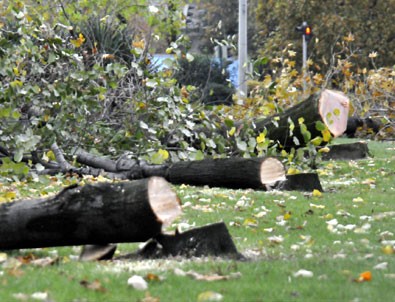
(240, 173)
(101, 213)
(254, 173)
(328, 107)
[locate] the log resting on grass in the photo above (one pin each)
(329, 107)
(254, 173)
(239, 173)
(101, 213)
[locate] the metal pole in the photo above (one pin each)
(242, 52)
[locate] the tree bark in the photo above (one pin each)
(240, 173)
(305, 182)
(92, 214)
(329, 107)
(352, 151)
(210, 240)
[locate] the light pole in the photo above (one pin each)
(242, 52)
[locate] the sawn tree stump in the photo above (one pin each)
(101, 213)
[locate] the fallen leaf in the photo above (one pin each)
(138, 282)
(152, 277)
(388, 249)
(209, 296)
(357, 199)
(365, 276)
(303, 273)
(47, 261)
(316, 193)
(276, 239)
(40, 296)
(149, 298)
(317, 206)
(95, 285)
(381, 266)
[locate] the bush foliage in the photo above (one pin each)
(88, 82)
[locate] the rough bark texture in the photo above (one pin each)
(240, 173)
(353, 151)
(93, 214)
(210, 240)
(306, 182)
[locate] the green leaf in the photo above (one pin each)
(320, 126)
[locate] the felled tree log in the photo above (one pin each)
(240, 173)
(328, 107)
(92, 214)
(254, 173)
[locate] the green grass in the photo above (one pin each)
(280, 232)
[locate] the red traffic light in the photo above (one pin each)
(307, 30)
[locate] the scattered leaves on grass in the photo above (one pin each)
(41, 296)
(202, 277)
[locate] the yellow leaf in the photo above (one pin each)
(326, 135)
(300, 120)
(316, 141)
(108, 56)
(287, 216)
(139, 44)
(163, 153)
(317, 206)
(260, 138)
(232, 131)
(9, 195)
(79, 41)
(16, 71)
(388, 250)
(292, 171)
(250, 222)
(357, 199)
(324, 150)
(316, 193)
(51, 155)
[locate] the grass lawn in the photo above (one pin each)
(300, 246)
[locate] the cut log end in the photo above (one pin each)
(333, 108)
(272, 171)
(163, 200)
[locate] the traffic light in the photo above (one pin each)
(306, 31)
